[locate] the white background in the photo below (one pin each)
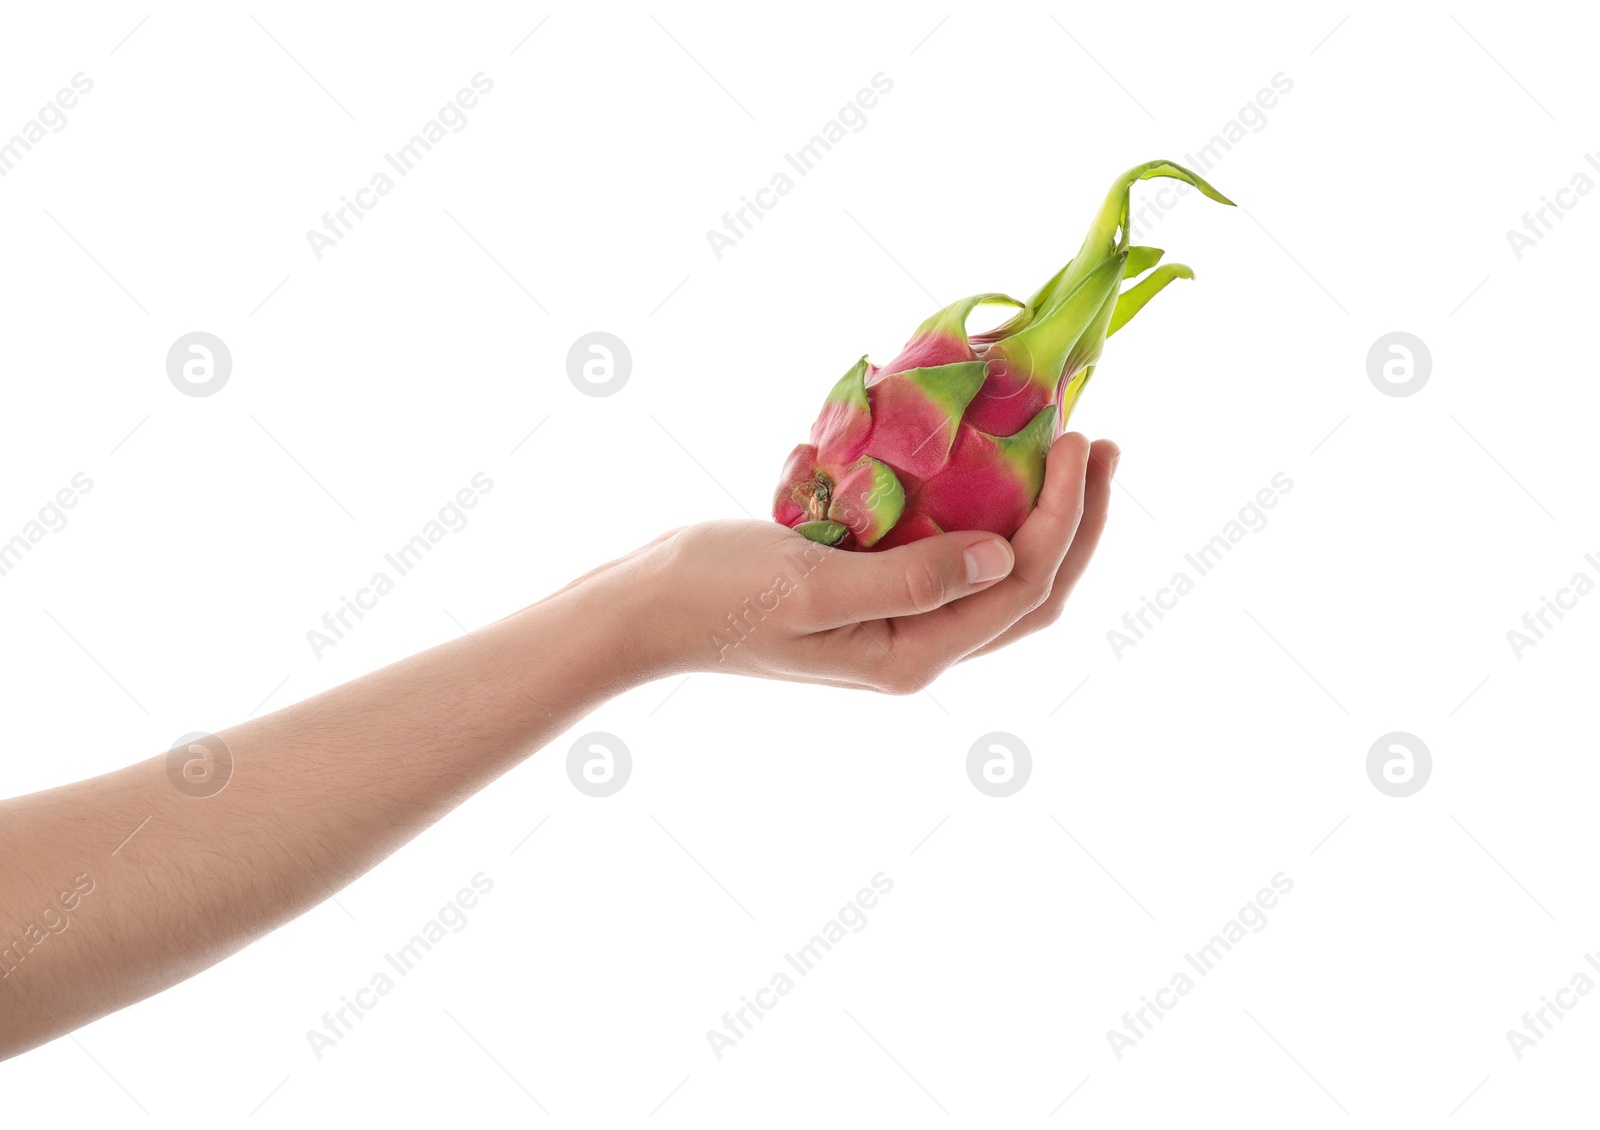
(1229, 745)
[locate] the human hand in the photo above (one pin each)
(754, 598)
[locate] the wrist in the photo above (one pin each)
(624, 622)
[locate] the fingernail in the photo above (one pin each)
(987, 561)
(1115, 460)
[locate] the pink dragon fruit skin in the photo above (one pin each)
(952, 434)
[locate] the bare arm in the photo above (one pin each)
(117, 887)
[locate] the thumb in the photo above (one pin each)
(917, 578)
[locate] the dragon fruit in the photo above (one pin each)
(952, 434)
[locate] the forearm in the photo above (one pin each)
(319, 792)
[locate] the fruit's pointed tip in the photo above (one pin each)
(1170, 168)
(823, 531)
(1208, 189)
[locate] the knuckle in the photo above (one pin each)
(1036, 594)
(926, 587)
(906, 676)
(803, 603)
(899, 681)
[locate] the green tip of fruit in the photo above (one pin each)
(1132, 300)
(952, 320)
(1177, 172)
(824, 531)
(1113, 216)
(851, 388)
(1026, 450)
(950, 387)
